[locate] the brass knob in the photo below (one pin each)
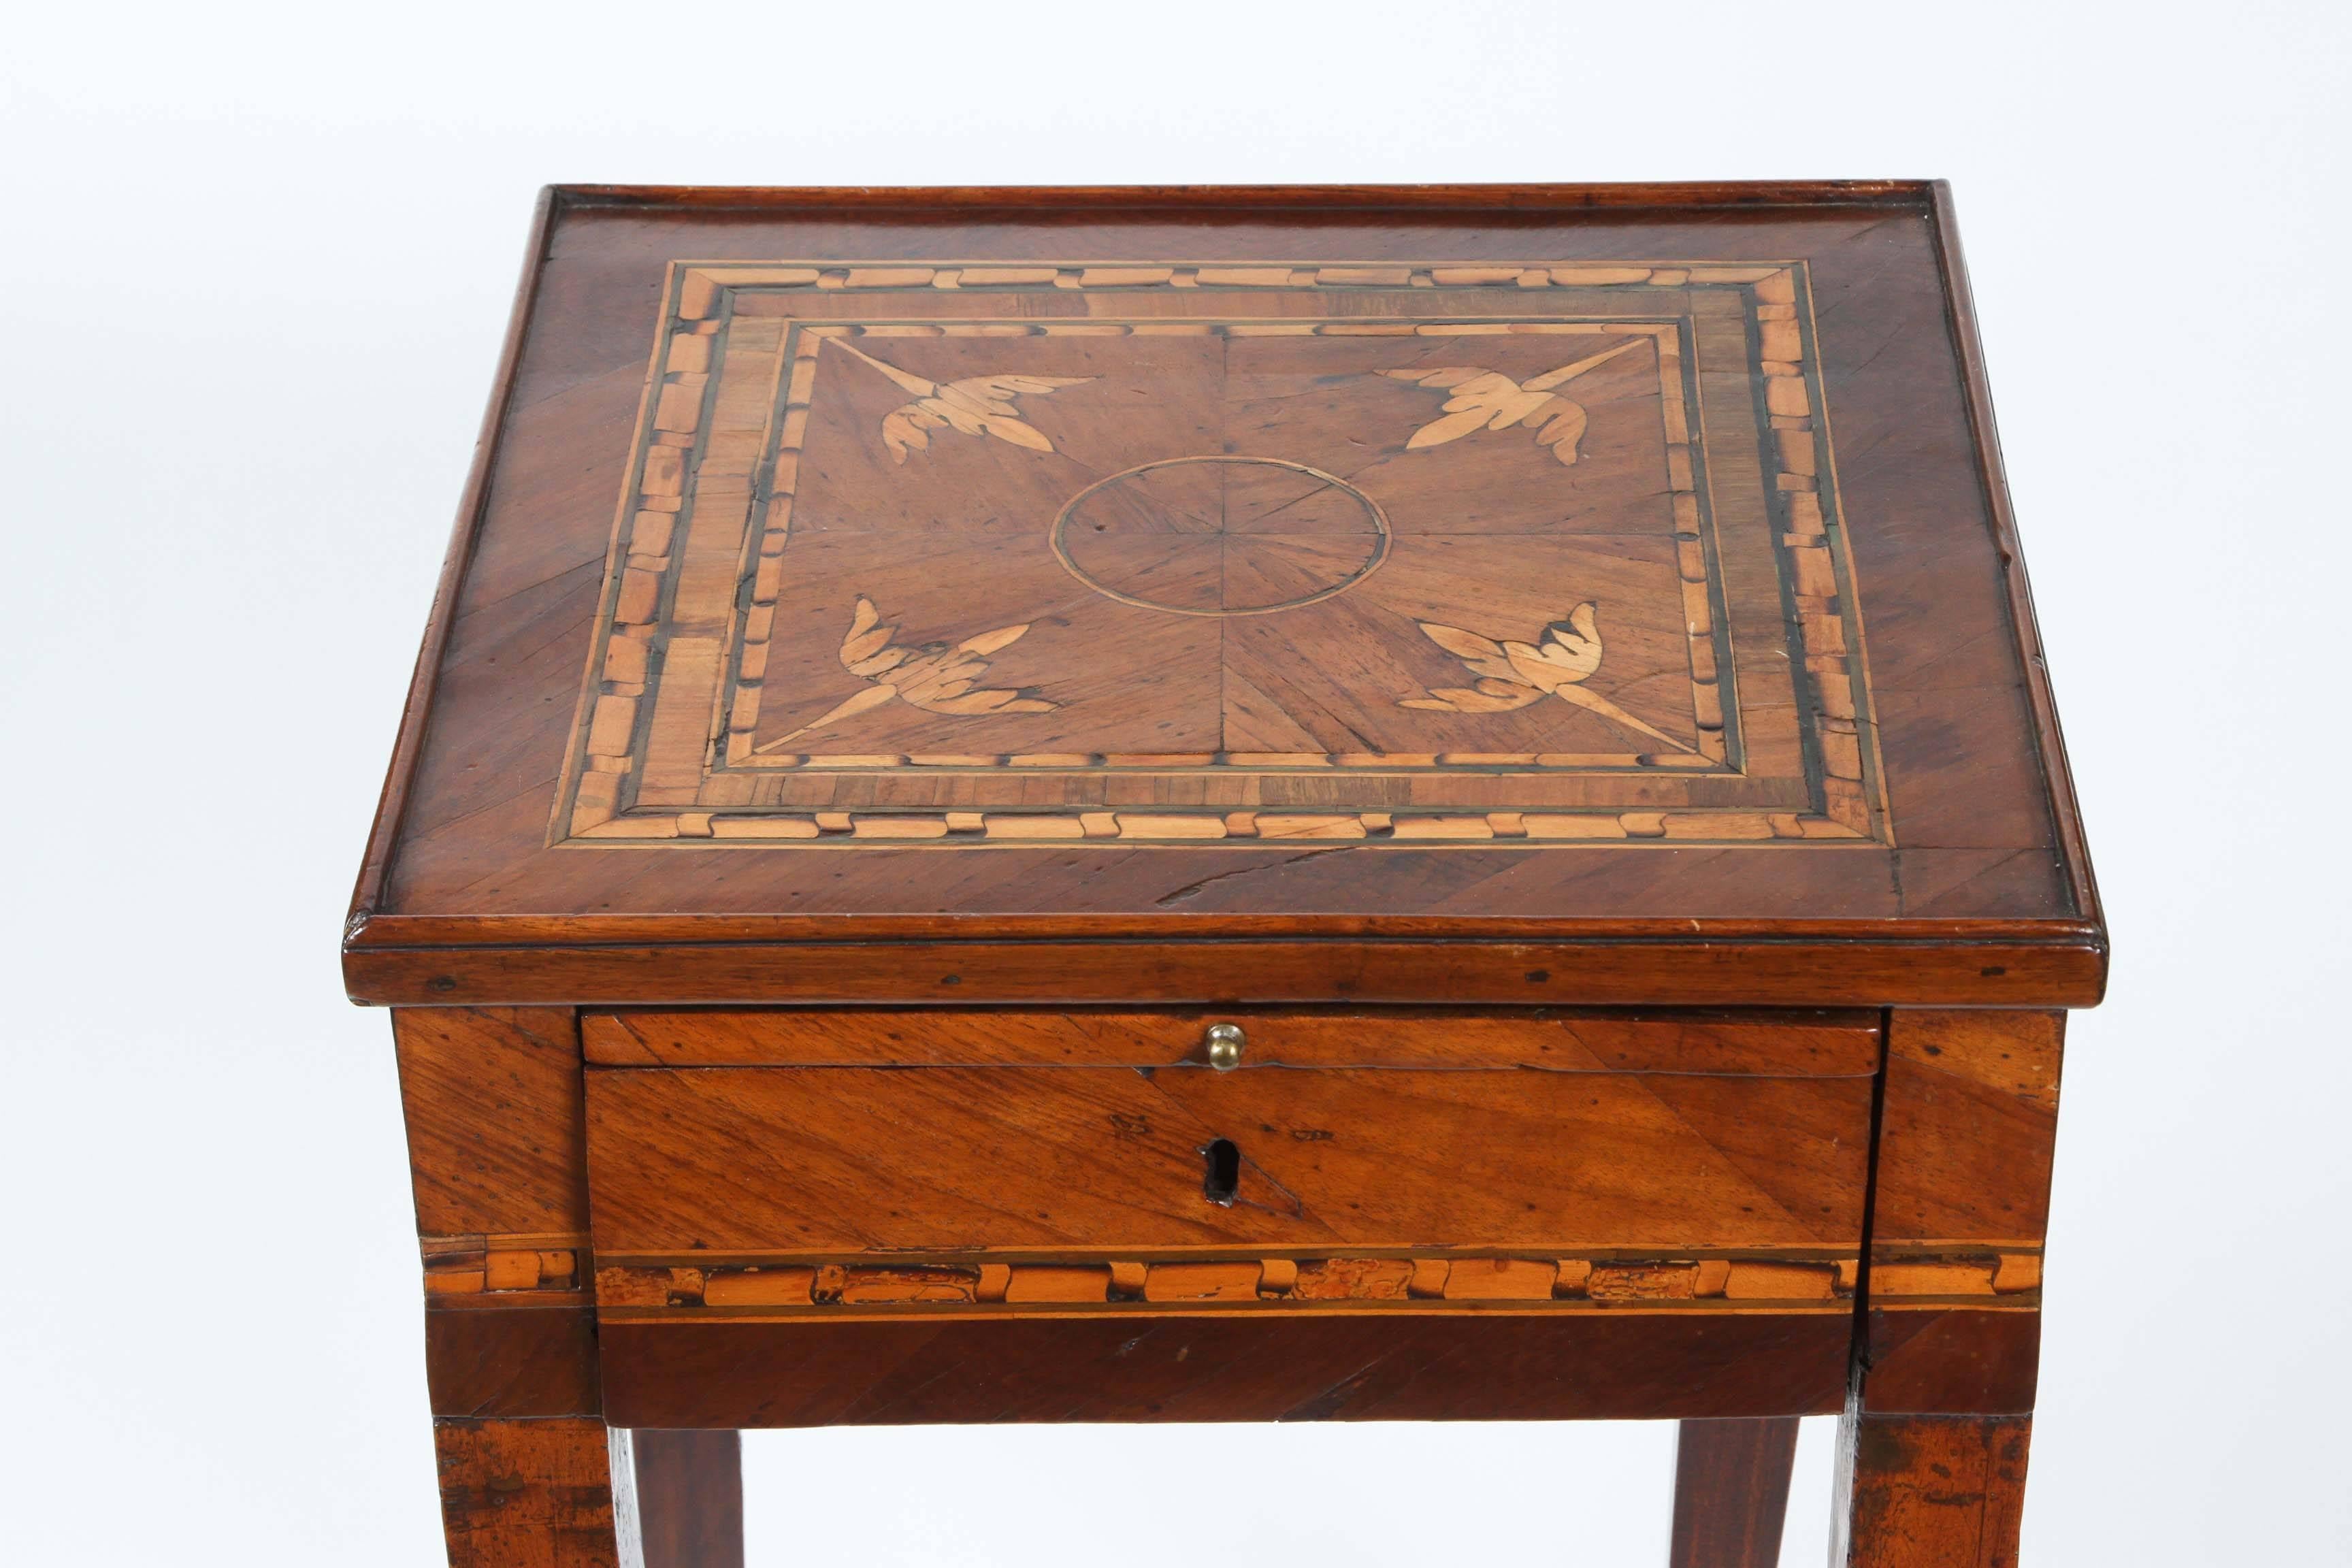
(1225, 1042)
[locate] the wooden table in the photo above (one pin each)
(1232, 804)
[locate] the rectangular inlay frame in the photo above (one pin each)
(642, 769)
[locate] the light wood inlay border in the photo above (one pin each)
(664, 751)
(559, 1262)
(1637, 1280)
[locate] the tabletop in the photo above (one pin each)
(1516, 595)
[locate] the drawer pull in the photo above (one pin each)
(1225, 1046)
(1225, 1173)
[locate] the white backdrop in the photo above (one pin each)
(256, 272)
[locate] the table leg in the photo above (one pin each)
(1930, 1491)
(688, 1497)
(526, 1494)
(1931, 1454)
(1731, 1492)
(496, 1139)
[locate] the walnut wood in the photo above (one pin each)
(1953, 1360)
(1794, 1044)
(497, 1157)
(1731, 1492)
(511, 1361)
(1966, 1132)
(1967, 344)
(1258, 199)
(392, 805)
(493, 1105)
(526, 1494)
(1609, 772)
(1698, 970)
(689, 1497)
(1981, 832)
(1461, 1367)
(831, 1160)
(493, 1099)
(1969, 1128)
(1929, 1491)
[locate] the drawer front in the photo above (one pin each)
(795, 1246)
(790, 1186)
(1842, 1043)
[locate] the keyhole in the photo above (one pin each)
(1225, 1177)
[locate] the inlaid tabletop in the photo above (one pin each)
(1543, 556)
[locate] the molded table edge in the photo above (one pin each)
(2068, 970)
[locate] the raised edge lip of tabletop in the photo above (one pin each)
(370, 930)
(1470, 197)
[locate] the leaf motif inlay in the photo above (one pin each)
(1488, 399)
(934, 677)
(975, 406)
(1512, 675)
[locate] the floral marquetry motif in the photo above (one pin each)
(1258, 545)
(934, 678)
(977, 405)
(1514, 674)
(1484, 399)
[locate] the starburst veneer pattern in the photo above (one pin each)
(993, 557)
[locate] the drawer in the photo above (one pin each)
(1550, 1172)
(852, 1160)
(1826, 1043)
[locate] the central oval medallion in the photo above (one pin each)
(1220, 536)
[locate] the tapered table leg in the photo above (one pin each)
(1930, 1491)
(1731, 1492)
(1932, 1451)
(526, 1494)
(687, 1498)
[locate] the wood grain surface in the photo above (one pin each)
(823, 1159)
(689, 1496)
(1187, 1368)
(526, 1494)
(1787, 1045)
(462, 899)
(1687, 964)
(1970, 1126)
(493, 1103)
(512, 1363)
(1552, 664)
(1960, 1203)
(1930, 1491)
(1977, 1359)
(1731, 1492)
(498, 1162)
(1185, 461)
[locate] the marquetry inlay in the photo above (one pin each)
(1283, 535)
(968, 554)
(1778, 1280)
(497, 1265)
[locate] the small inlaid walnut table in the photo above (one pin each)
(1232, 805)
